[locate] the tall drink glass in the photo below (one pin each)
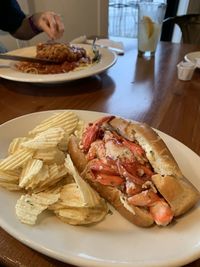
(150, 18)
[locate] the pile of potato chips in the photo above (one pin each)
(39, 166)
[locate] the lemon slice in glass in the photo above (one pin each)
(149, 26)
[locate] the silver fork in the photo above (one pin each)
(97, 55)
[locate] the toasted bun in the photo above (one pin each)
(169, 180)
(156, 150)
(77, 156)
(179, 192)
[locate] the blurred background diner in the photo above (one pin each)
(109, 18)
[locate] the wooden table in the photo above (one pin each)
(141, 89)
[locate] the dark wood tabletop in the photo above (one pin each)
(142, 89)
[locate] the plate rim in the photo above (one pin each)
(186, 57)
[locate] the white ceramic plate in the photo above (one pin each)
(115, 241)
(7, 71)
(191, 57)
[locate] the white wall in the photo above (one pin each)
(80, 17)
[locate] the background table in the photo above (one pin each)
(141, 89)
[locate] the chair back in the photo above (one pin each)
(189, 25)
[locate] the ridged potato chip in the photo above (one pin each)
(53, 171)
(31, 169)
(9, 176)
(41, 176)
(46, 139)
(67, 120)
(56, 173)
(50, 155)
(53, 187)
(28, 207)
(80, 128)
(70, 196)
(56, 188)
(90, 196)
(37, 165)
(81, 216)
(71, 208)
(11, 186)
(16, 144)
(45, 198)
(18, 159)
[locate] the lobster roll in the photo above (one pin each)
(131, 167)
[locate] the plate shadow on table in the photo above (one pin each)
(81, 86)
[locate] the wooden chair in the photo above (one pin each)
(189, 25)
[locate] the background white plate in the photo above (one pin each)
(108, 58)
(190, 57)
(115, 241)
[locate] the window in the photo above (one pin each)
(123, 18)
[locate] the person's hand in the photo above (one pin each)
(50, 23)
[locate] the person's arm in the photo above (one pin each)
(11, 15)
(48, 22)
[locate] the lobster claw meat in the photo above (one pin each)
(92, 131)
